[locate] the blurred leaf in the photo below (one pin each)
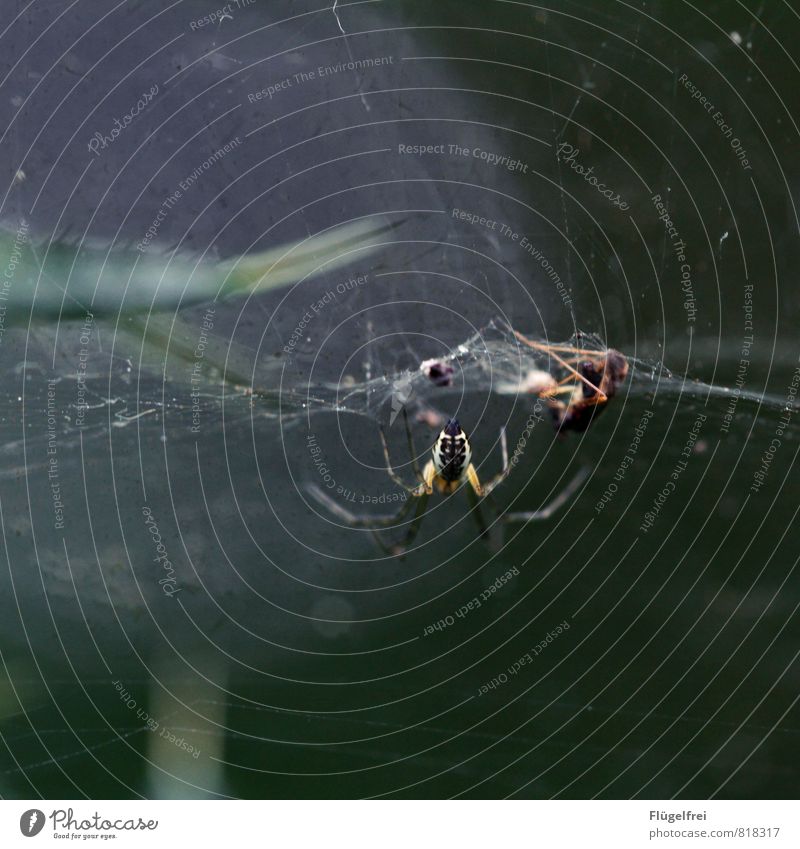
(68, 280)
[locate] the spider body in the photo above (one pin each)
(452, 457)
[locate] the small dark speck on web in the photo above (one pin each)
(439, 373)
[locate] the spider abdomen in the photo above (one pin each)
(452, 453)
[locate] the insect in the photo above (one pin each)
(449, 469)
(590, 382)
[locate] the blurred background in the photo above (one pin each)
(230, 235)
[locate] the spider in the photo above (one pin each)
(448, 470)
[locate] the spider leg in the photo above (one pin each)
(475, 509)
(483, 489)
(411, 450)
(412, 490)
(547, 511)
(351, 519)
(486, 532)
(551, 350)
(428, 474)
(413, 528)
(567, 349)
(375, 524)
(601, 396)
